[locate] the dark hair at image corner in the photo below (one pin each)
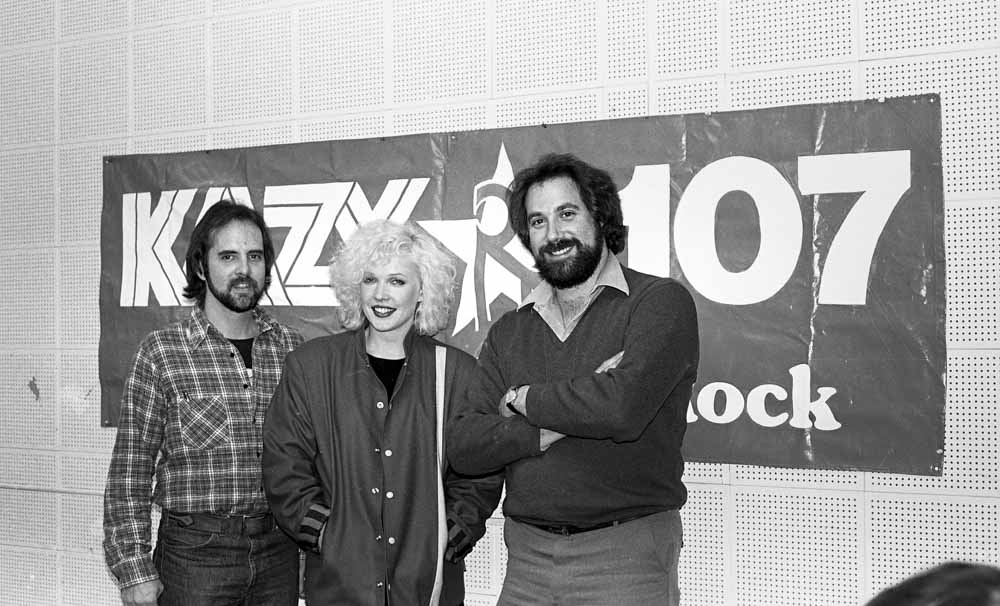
(221, 214)
(949, 584)
(597, 191)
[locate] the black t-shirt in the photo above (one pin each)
(387, 371)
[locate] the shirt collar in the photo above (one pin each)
(611, 275)
(199, 326)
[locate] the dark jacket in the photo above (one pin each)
(340, 455)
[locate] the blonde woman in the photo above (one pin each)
(353, 463)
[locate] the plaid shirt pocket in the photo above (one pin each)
(204, 423)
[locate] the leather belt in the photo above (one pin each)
(569, 529)
(236, 525)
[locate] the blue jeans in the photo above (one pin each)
(202, 568)
(631, 564)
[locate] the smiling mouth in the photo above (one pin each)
(381, 311)
(560, 252)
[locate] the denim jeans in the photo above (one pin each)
(201, 568)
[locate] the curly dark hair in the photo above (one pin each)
(221, 214)
(948, 584)
(597, 190)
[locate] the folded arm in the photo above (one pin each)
(660, 352)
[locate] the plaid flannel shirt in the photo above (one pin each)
(192, 415)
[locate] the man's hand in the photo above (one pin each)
(610, 363)
(547, 437)
(143, 594)
(512, 402)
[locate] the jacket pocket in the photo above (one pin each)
(204, 422)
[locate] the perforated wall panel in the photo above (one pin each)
(30, 576)
(627, 39)
(803, 478)
(27, 21)
(628, 102)
(541, 44)
(79, 312)
(28, 97)
(24, 468)
(469, 117)
(342, 55)
(92, 87)
(549, 110)
(451, 63)
(229, 6)
(811, 85)
(483, 570)
(479, 600)
(80, 192)
(81, 527)
(86, 581)
(972, 432)
(969, 85)
(706, 473)
(790, 32)
(248, 136)
(27, 197)
(253, 66)
(688, 37)
(84, 472)
(688, 96)
(972, 252)
(37, 268)
(169, 143)
(169, 75)
(80, 403)
(351, 127)
(797, 547)
(28, 517)
(889, 27)
(84, 17)
(910, 533)
(149, 12)
(704, 564)
(28, 393)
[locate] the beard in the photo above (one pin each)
(569, 272)
(238, 303)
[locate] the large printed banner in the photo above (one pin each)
(811, 237)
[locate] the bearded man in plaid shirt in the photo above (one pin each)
(191, 417)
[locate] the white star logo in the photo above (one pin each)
(488, 246)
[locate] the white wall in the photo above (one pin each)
(80, 79)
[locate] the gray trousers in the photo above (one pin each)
(629, 564)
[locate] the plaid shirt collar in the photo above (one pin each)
(198, 326)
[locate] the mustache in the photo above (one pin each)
(560, 243)
(241, 279)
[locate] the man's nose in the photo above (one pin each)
(554, 232)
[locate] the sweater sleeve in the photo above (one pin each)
(660, 353)
(291, 480)
(480, 441)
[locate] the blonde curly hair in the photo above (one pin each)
(374, 244)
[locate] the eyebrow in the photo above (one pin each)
(230, 251)
(561, 207)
